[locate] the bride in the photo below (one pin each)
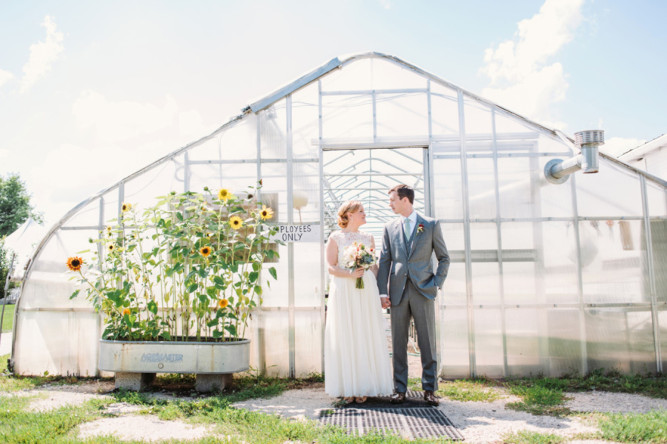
(356, 359)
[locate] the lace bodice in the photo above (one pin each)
(344, 240)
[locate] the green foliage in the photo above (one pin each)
(614, 381)
(646, 428)
(15, 205)
(7, 319)
(538, 400)
(525, 437)
(190, 265)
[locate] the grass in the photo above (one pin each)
(8, 318)
(466, 390)
(538, 395)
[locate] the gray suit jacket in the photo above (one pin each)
(398, 259)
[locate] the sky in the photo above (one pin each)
(92, 91)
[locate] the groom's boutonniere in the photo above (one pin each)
(420, 228)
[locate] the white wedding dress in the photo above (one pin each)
(356, 357)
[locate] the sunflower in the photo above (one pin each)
(111, 247)
(236, 222)
(126, 311)
(224, 194)
(222, 303)
(74, 263)
(266, 213)
(205, 251)
(126, 207)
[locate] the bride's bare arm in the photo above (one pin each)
(374, 268)
(332, 261)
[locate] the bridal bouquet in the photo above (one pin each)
(358, 256)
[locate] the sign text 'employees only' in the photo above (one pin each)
(298, 233)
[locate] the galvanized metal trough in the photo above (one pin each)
(136, 362)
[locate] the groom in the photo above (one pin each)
(405, 264)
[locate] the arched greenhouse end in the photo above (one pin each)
(546, 278)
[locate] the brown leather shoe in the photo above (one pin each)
(430, 398)
(397, 398)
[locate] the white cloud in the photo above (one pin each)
(119, 121)
(522, 79)
(42, 55)
(5, 76)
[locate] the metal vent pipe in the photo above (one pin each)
(558, 170)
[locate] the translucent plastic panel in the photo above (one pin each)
(444, 112)
(402, 115)
(454, 355)
(564, 336)
(659, 247)
(485, 283)
(477, 119)
(87, 216)
(448, 203)
(305, 122)
(519, 185)
(276, 293)
(518, 235)
(662, 320)
(272, 127)
(389, 75)
(488, 343)
(620, 339)
(157, 181)
(561, 279)
(306, 191)
(525, 333)
(521, 283)
(49, 285)
(308, 340)
(484, 241)
(60, 343)
(511, 124)
(555, 200)
(274, 342)
(348, 117)
(613, 262)
(308, 268)
(355, 76)
(481, 188)
(239, 141)
(657, 199)
(454, 289)
(234, 177)
(613, 192)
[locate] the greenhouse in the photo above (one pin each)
(550, 273)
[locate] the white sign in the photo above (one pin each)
(298, 233)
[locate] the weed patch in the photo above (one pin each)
(646, 428)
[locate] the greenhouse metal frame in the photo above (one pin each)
(545, 278)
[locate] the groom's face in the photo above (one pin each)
(397, 204)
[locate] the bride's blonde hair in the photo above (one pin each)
(351, 206)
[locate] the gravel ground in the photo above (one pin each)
(478, 422)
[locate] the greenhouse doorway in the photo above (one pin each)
(367, 174)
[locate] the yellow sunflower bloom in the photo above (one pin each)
(126, 207)
(126, 311)
(111, 247)
(205, 251)
(224, 194)
(266, 213)
(222, 303)
(236, 222)
(74, 263)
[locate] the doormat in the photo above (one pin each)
(407, 422)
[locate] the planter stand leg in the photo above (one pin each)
(134, 381)
(216, 382)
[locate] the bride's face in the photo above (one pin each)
(357, 218)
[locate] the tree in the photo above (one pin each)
(15, 205)
(15, 209)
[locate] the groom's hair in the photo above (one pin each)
(404, 190)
